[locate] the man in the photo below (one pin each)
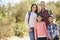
(44, 12)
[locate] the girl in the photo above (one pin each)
(53, 29)
(40, 29)
(30, 20)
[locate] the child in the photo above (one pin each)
(52, 29)
(40, 29)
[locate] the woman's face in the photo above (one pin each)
(39, 18)
(34, 8)
(51, 19)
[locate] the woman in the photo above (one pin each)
(30, 20)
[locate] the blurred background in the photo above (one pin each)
(12, 15)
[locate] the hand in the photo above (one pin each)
(51, 39)
(30, 30)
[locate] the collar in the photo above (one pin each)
(51, 25)
(43, 10)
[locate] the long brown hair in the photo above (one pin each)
(36, 8)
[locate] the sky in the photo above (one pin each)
(17, 1)
(49, 0)
(9, 1)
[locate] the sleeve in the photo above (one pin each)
(56, 31)
(46, 29)
(35, 31)
(49, 32)
(26, 20)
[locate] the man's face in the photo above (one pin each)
(42, 4)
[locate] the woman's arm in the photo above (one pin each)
(26, 20)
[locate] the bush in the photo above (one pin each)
(20, 29)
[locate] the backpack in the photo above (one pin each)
(49, 12)
(29, 13)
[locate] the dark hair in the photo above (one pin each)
(36, 8)
(42, 2)
(39, 15)
(51, 16)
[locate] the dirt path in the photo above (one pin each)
(16, 38)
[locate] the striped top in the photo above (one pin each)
(40, 30)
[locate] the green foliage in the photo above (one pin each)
(55, 7)
(6, 25)
(20, 29)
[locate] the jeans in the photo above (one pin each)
(32, 34)
(43, 38)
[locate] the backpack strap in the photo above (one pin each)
(49, 12)
(29, 13)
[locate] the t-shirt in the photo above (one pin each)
(32, 20)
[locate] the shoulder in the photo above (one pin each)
(48, 9)
(28, 13)
(56, 25)
(35, 24)
(39, 12)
